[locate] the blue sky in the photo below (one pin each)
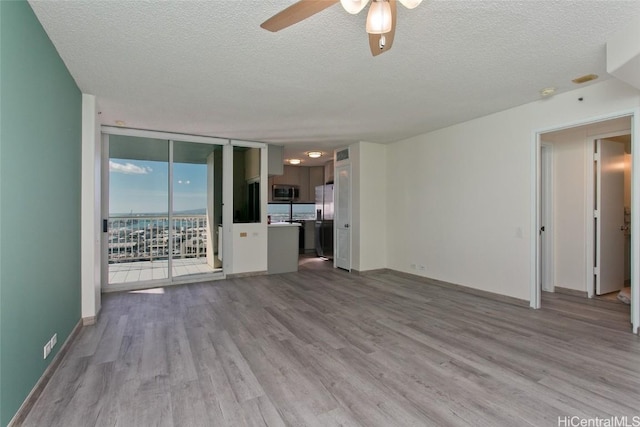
(137, 186)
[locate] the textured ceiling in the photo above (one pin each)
(207, 68)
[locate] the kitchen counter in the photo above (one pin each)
(282, 255)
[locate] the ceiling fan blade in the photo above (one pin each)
(374, 39)
(296, 13)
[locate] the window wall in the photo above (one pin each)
(287, 212)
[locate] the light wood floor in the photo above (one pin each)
(322, 347)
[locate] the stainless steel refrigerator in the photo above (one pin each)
(324, 221)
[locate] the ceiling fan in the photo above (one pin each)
(381, 19)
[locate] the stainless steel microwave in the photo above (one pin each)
(285, 193)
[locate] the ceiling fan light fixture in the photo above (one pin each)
(382, 42)
(353, 6)
(379, 17)
(410, 4)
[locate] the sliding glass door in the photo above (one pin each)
(138, 210)
(164, 202)
(196, 185)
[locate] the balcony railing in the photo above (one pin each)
(146, 238)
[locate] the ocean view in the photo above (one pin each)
(145, 236)
(301, 211)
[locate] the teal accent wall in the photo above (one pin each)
(1, 423)
(40, 173)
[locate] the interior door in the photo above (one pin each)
(343, 217)
(610, 217)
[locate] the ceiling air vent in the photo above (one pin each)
(342, 155)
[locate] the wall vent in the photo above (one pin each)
(342, 155)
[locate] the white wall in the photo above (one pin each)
(250, 251)
(369, 207)
(91, 209)
(459, 199)
(569, 207)
(623, 54)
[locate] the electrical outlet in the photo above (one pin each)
(413, 266)
(47, 349)
(54, 340)
(422, 268)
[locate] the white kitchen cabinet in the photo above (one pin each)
(290, 176)
(275, 163)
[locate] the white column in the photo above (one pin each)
(90, 210)
(635, 224)
(227, 209)
(212, 242)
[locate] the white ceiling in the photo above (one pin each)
(207, 68)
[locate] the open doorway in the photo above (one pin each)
(612, 223)
(584, 210)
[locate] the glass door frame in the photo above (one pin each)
(227, 175)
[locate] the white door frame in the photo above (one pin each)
(534, 281)
(104, 210)
(548, 267)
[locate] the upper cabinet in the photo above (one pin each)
(305, 177)
(316, 178)
(303, 182)
(276, 160)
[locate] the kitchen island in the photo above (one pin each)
(282, 255)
